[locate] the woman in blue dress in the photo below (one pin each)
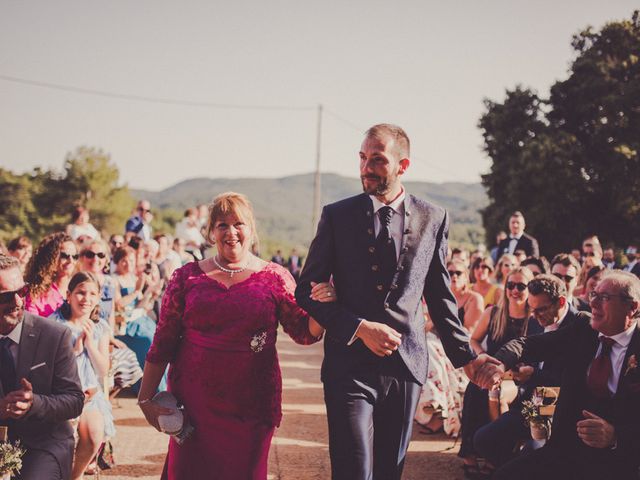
(80, 313)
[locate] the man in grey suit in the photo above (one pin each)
(39, 384)
(385, 250)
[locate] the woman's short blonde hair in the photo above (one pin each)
(232, 204)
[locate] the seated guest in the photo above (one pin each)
(537, 265)
(80, 314)
(125, 369)
(482, 273)
(593, 278)
(39, 386)
(499, 324)
(48, 273)
(22, 249)
(440, 402)
(609, 259)
(497, 441)
(597, 421)
(80, 226)
(567, 269)
(139, 223)
(188, 229)
(505, 265)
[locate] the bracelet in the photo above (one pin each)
(142, 402)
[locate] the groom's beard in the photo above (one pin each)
(381, 186)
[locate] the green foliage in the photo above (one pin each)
(570, 163)
(41, 202)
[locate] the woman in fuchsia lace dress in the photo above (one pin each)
(217, 330)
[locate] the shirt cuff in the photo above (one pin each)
(354, 337)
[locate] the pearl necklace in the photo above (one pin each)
(229, 270)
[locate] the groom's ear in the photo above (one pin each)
(404, 164)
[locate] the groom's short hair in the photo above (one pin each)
(401, 140)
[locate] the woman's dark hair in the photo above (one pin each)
(78, 279)
(42, 268)
(541, 263)
(18, 243)
(122, 252)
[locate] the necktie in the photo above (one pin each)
(600, 370)
(7, 366)
(385, 244)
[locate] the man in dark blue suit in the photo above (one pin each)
(385, 250)
(496, 441)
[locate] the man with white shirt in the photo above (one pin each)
(385, 250)
(39, 385)
(632, 256)
(518, 239)
(548, 304)
(596, 425)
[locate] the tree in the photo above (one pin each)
(571, 162)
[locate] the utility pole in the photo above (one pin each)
(315, 217)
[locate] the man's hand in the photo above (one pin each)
(379, 338)
(485, 371)
(596, 432)
(17, 403)
(523, 373)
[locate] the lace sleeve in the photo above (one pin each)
(294, 320)
(168, 331)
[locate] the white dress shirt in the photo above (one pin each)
(618, 352)
(513, 242)
(15, 336)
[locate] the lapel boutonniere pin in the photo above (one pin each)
(632, 364)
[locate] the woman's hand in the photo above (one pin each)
(323, 292)
(117, 343)
(152, 411)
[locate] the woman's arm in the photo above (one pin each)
(473, 311)
(481, 331)
(153, 373)
(98, 350)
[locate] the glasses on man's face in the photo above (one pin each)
(8, 297)
(605, 297)
(587, 245)
(455, 273)
(483, 267)
(144, 210)
(68, 256)
(519, 285)
(566, 278)
(91, 255)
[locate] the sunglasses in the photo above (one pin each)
(456, 273)
(91, 255)
(520, 286)
(144, 210)
(7, 297)
(566, 278)
(66, 256)
(483, 267)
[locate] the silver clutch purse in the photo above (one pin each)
(174, 424)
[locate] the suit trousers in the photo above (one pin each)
(553, 463)
(370, 416)
(38, 465)
(497, 440)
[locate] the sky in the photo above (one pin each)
(168, 71)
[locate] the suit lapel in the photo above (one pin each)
(28, 345)
(632, 349)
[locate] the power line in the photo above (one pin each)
(147, 99)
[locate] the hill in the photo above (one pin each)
(283, 205)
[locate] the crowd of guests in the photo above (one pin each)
(108, 293)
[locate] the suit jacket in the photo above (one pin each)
(550, 375)
(526, 243)
(57, 394)
(344, 247)
(576, 346)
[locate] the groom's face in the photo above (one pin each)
(380, 165)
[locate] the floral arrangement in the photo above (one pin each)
(632, 364)
(531, 412)
(10, 458)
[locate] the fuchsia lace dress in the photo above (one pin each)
(220, 343)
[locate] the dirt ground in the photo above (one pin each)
(300, 447)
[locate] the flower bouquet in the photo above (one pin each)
(539, 425)
(10, 459)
